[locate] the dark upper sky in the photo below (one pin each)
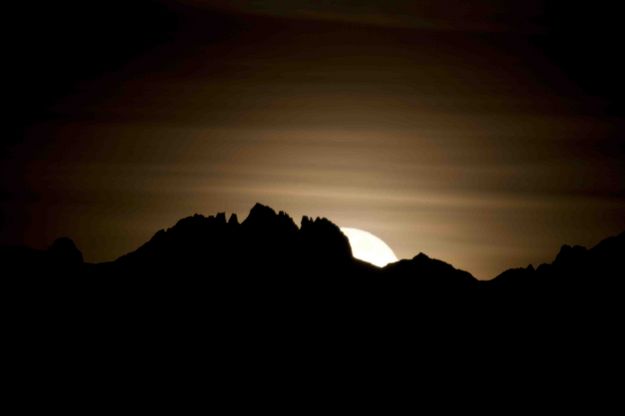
(483, 133)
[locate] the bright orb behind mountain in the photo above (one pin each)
(368, 247)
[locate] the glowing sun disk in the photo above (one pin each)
(368, 247)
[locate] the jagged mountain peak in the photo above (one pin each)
(264, 217)
(64, 251)
(234, 220)
(569, 254)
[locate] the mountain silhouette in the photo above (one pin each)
(265, 244)
(268, 254)
(431, 273)
(574, 268)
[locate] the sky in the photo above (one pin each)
(485, 133)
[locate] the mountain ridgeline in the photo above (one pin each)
(268, 252)
(265, 244)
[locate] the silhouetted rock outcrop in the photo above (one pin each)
(522, 277)
(63, 253)
(322, 241)
(234, 220)
(62, 259)
(428, 274)
(263, 219)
